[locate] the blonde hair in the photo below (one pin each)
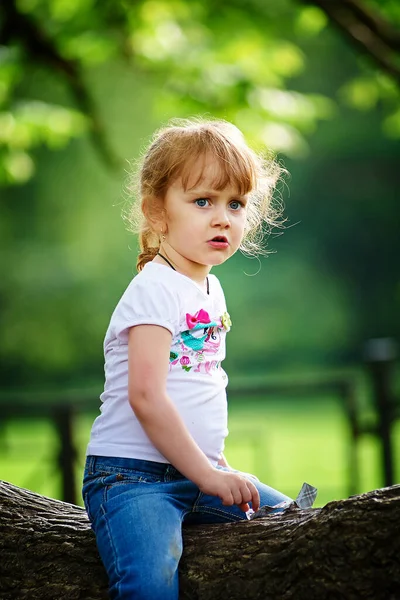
(172, 154)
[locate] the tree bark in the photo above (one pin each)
(348, 549)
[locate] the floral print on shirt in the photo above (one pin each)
(196, 346)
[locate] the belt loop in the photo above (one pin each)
(171, 473)
(91, 464)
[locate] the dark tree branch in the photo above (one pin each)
(40, 48)
(376, 23)
(367, 30)
(348, 549)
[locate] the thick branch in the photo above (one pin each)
(348, 549)
(376, 23)
(369, 31)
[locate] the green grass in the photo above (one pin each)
(289, 442)
(284, 442)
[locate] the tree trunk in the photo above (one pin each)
(349, 549)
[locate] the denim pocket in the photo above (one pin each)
(105, 477)
(124, 483)
(123, 476)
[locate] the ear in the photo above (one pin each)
(154, 212)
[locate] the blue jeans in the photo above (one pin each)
(136, 508)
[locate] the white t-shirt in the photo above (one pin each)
(196, 382)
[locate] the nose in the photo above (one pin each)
(221, 217)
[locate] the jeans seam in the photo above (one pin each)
(219, 512)
(196, 502)
(114, 552)
(87, 507)
(213, 511)
(104, 494)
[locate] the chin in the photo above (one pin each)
(218, 260)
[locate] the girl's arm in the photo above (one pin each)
(148, 363)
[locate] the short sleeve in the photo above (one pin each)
(145, 302)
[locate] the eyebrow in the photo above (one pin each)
(205, 193)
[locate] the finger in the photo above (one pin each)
(246, 493)
(237, 496)
(244, 507)
(255, 496)
(227, 499)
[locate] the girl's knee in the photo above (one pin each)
(150, 582)
(269, 496)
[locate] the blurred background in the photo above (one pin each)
(312, 355)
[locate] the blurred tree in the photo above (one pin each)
(82, 69)
(238, 62)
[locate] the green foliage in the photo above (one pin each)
(28, 125)
(235, 60)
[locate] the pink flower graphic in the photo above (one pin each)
(185, 360)
(200, 317)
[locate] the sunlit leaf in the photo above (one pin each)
(388, 88)
(286, 59)
(7, 127)
(251, 56)
(299, 110)
(391, 125)
(311, 20)
(161, 41)
(283, 138)
(89, 48)
(152, 11)
(18, 167)
(28, 125)
(361, 93)
(65, 10)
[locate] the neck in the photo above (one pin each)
(195, 271)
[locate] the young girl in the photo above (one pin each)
(155, 456)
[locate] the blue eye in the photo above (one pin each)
(202, 202)
(235, 205)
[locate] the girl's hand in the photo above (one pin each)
(231, 488)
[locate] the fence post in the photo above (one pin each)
(380, 355)
(63, 421)
(347, 391)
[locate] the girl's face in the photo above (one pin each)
(203, 226)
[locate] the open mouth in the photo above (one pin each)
(219, 242)
(220, 238)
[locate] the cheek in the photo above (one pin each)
(240, 225)
(181, 228)
(173, 221)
